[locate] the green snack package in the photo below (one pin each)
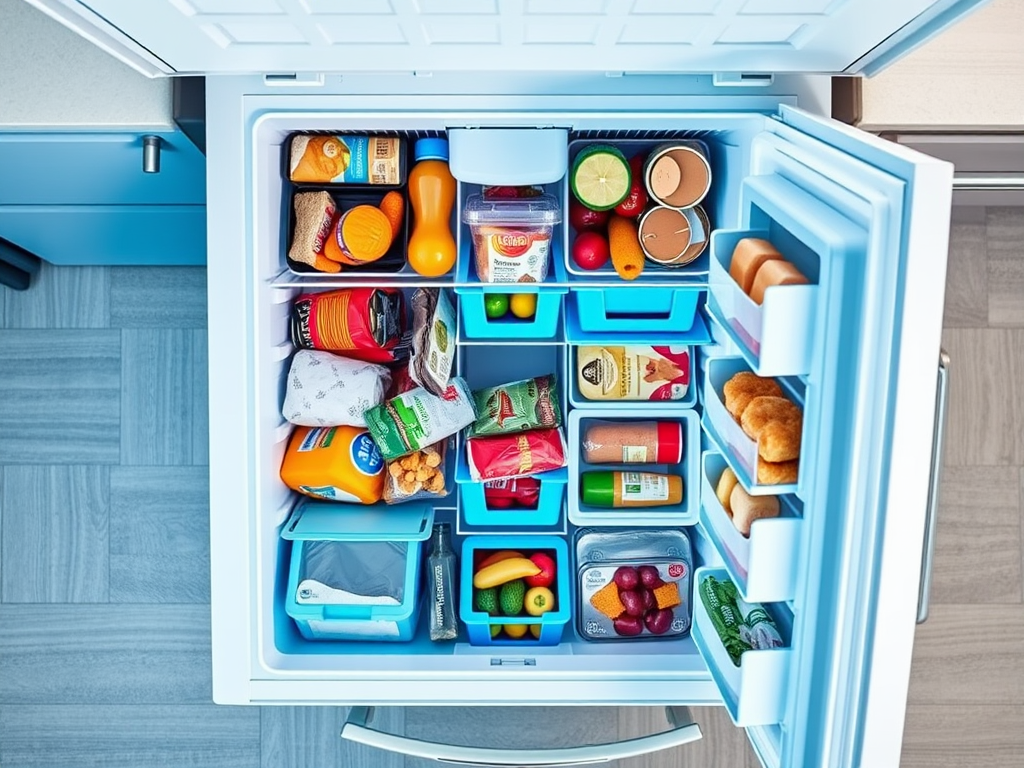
(517, 407)
(719, 598)
(416, 419)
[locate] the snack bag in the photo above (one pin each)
(315, 214)
(433, 339)
(362, 323)
(416, 476)
(520, 455)
(324, 390)
(517, 407)
(416, 419)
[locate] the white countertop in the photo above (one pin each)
(969, 78)
(51, 77)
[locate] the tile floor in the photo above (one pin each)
(104, 552)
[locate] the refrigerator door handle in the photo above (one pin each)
(932, 511)
(684, 731)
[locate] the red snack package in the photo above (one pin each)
(521, 492)
(520, 455)
(362, 323)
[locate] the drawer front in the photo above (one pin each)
(98, 169)
(148, 235)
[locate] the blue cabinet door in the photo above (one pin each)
(102, 168)
(108, 234)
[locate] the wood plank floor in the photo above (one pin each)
(104, 552)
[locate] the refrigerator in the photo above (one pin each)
(515, 85)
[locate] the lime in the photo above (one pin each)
(495, 630)
(601, 177)
(496, 305)
(524, 305)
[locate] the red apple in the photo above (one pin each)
(590, 250)
(582, 218)
(546, 577)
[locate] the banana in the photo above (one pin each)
(502, 572)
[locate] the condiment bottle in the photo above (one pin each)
(630, 489)
(431, 250)
(441, 584)
(633, 442)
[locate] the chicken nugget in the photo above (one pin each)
(435, 484)
(765, 410)
(432, 459)
(424, 473)
(777, 473)
(744, 387)
(780, 441)
(395, 469)
(409, 477)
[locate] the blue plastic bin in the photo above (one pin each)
(313, 522)
(552, 623)
(546, 322)
(474, 505)
(636, 308)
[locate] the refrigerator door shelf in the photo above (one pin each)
(755, 690)
(763, 566)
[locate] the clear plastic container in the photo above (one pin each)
(658, 566)
(512, 237)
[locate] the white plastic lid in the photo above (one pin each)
(542, 210)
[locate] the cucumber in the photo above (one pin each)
(601, 177)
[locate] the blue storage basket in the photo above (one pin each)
(552, 623)
(474, 509)
(635, 308)
(313, 521)
(546, 322)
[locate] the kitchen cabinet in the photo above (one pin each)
(73, 127)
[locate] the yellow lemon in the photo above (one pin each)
(515, 631)
(523, 305)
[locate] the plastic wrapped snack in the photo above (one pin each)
(325, 390)
(416, 419)
(512, 237)
(433, 341)
(419, 475)
(519, 455)
(363, 323)
(517, 407)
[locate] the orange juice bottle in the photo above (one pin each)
(334, 463)
(431, 195)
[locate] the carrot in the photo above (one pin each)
(393, 206)
(624, 244)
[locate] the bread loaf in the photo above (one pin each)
(750, 254)
(775, 273)
(746, 508)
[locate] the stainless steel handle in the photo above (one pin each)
(932, 511)
(151, 154)
(684, 731)
(988, 182)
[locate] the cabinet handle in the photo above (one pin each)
(932, 510)
(988, 182)
(684, 731)
(151, 154)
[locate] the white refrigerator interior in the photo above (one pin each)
(737, 75)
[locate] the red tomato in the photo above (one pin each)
(546, 577)
(582, 218)
(590, 250)
(636, 200)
